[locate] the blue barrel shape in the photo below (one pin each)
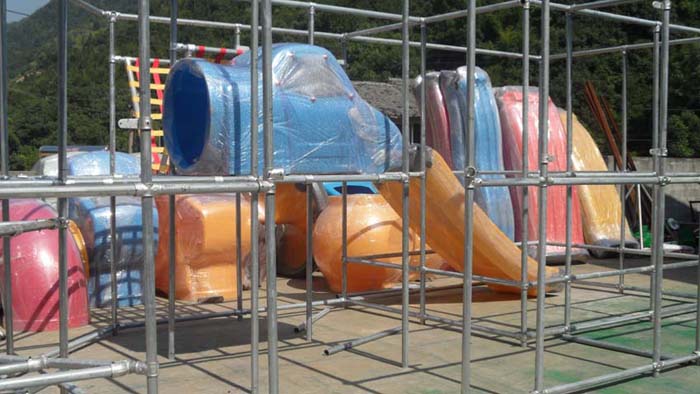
(336, 188)
(92, 215)
(320, 124)
(495, 201)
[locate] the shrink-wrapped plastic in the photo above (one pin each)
(494, 254)
(600, 204)
(373, 228)
(437, 123)
(34, 259)
(495, 201)
(511, 110)
(92, 215)
(320, 124)
(205, 246)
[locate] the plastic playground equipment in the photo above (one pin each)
(373, 228)
(495, 201)
(92, 215)
(511, 110)
(495, 255)
(207, 117)
(600, 205)
(205, 246)
(35, 273)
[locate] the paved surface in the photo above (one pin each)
(213, 355)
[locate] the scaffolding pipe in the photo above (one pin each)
(254, 232)
(149, 291)
(659, 191)
(423, 192)
(599, 4)
(114, 370)
(542, 200)
(436, 18)
(469, 170)
(405, 203)
(267, 80)
(172, 247)
(309, 262)
(62, 172)
(11, 229)
(626, 48)
(622, 190)
(360, 341)
(4, 172)
(618, 376)
(525, 166)
(112, 172)
(569, 148)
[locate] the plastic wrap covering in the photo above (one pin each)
(511, 110)
(34, 257)
(373, 228)
(320, 124)
(437, 126)
(205, 252)
(600, 205)
(92, 214)
(495, 201)
(494, 254)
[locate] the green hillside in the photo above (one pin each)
(32, 57)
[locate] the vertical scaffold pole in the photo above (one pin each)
(254, 235)
(423, 66)
(62, 176)
(569, 147)
(113, 254)
(171, 206)
(310, 220)
(655, 145)
(406, 132)
(659, 193)
(623, 188)
(5, 170)
(149, 291)
(469, 174)
(344, 244)
(272, 361)
(542, 201)
(525, 191)
(312, 24)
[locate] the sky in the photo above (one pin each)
(22, 7)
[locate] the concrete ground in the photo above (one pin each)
(213, 355)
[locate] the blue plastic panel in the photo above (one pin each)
(336, 188)
(321, 125)
(495, 201)
(92, 215)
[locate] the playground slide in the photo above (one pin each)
(92, 215)
(34, 257)
(205, 252)
(373, 228)
(437, 122)
(494, 253)
(495, 201)
(510, 104)
(600, 205)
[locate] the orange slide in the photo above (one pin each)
(494, 254)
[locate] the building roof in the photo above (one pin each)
(386, 97)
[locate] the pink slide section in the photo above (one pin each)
(510, 104)
(34, 259)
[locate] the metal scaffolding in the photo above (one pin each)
(146, 186)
